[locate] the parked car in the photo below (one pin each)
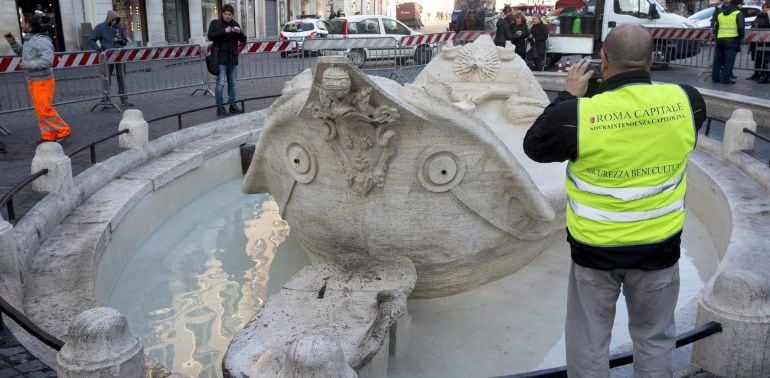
(372, 26)
(702, 19)
(300, 30)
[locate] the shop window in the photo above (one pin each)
(210, 11)
(247, 17)
(133, 20)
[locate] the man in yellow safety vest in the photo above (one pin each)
(729, 28)
(627, 150)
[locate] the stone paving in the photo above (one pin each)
(15, 361)
(88, 126)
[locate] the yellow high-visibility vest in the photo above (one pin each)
(627, 185)
(728, 24)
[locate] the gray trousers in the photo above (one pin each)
(120, 70)
(651, 299)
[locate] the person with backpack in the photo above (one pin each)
(225, 33)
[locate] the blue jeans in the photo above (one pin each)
(724, 60)
(231, 74)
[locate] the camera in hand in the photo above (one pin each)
(596, 77)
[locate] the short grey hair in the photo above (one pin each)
(628, 47)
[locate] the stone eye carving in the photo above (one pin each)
(301, 163)
(440, 171)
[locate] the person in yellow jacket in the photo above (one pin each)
(37, 61)
(729, 29)
(627, 150)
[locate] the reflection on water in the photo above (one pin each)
(202, 275)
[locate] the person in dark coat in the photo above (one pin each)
(538, 36)
(110, 35)
(504, 28)
(520, 34)
(225, 33)
(760, 51)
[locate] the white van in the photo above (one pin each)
(380, 27)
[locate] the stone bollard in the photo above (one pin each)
(8, 258)
(10, 271)
(735, 139)
(316, 356)
(740, 301)
(49, 155)
(138, 131)
(100, 345)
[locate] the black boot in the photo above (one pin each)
(764, 78)
(221, 110)
(755, 76)
(235, 109)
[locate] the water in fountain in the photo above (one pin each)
(202, 275)
(206, 271)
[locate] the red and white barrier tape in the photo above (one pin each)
(268, 46)
(415, 40)
(10, 64)
(152, 53)
(71, 60)
(681, 33)
(757, 36)
(470, 36)
(262, 46)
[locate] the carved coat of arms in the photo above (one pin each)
(359, 132)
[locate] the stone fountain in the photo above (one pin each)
(381, 184)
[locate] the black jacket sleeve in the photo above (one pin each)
(215, 32)
(553, 136)
(698, 105)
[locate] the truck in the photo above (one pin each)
(409, 14)
(600, 17)
(472, 15)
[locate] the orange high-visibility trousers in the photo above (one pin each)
(52, 127)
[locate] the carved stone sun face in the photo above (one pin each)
(474, 63)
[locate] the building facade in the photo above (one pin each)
(163, 22)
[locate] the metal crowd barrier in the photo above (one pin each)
(379, 56)
(695, 48)
(682, 47)
(82, 75)
(270, 58)
(149, 69)
(76, 73)
(423, 47)
(363, 52)
(468, 36)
